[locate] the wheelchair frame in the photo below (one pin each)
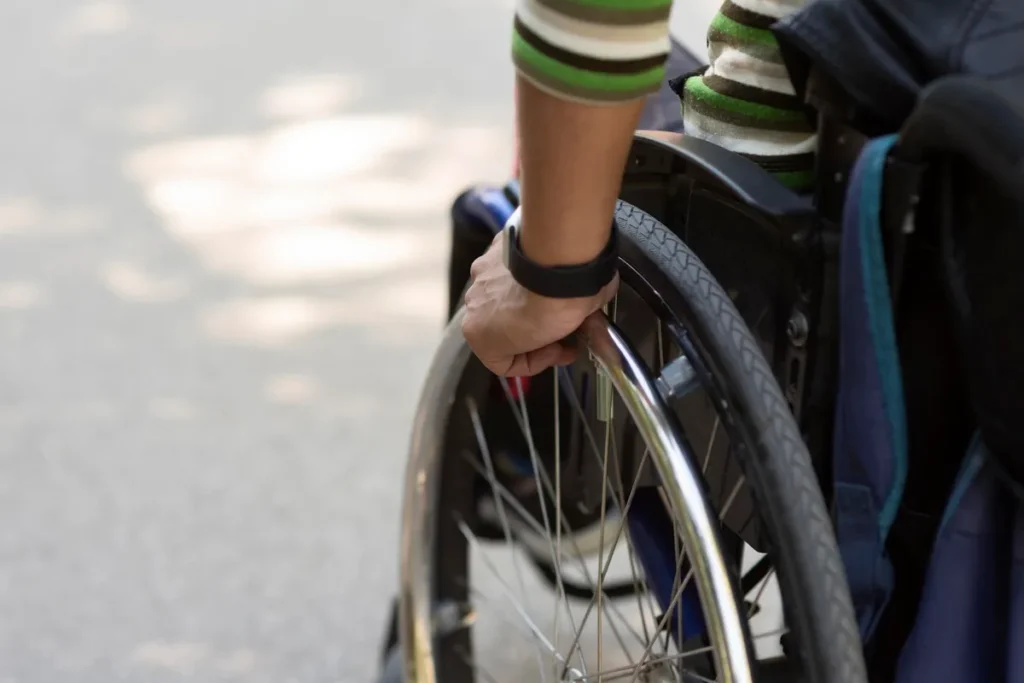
(666, 173)
(664, 177)
(657, 425)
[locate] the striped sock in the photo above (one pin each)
(744, 100)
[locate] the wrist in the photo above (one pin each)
(562, 241)
(566, 280)
(554, 253)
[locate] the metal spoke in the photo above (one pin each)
(528, 519)
(472, 540)
(535, 462)
(600, 552)
(680, 556)
(546, 483)
(492, 477)
(677, 594)
(760, 590)
(557, 555)
(603, 568)
(624, 508)
(620, 497)
(781, 631)
(637, 587)
(523, 516)
(589, 433)
(623, 671)
(515, 519)
(527, 634)
(711, 443)
(604, 500)
(675, 537)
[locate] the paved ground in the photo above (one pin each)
(221, 248)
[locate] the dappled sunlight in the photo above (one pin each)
(76, 219)
(189, 35)
(19, 295)
(309, 96)
(191, 658)
(93, 410)
(399, 312)
(225, 227)
(130, 282)
(323, 150)
(309, 253)
(19, 213)
(315, 200)
(291, 389)
(271, 321)
(171, 408)
(162, 115)
(354, 408)
(96, 18)
(421, 300)
(27, 216)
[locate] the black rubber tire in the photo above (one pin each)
(815, 594)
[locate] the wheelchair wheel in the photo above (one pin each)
(649, 513)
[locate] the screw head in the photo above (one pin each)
(797, 329)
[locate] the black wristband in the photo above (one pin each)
(559, 282)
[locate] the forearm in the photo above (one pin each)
(572, 156)
(584, 69)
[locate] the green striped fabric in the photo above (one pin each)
(582, 83)
(607, 51)
(744, 101)
(592, 50)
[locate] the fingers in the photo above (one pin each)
(514, 334)
(568, 355)
(533, 362)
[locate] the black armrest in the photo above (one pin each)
(740, 176)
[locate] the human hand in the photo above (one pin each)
(513, 331)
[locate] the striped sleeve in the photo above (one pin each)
(598, 51)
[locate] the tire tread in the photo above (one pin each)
(781, 467)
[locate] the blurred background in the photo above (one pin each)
(223, 240)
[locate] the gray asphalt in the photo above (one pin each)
(222, 241)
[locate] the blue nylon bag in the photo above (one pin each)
(870, 442)
(969, 626)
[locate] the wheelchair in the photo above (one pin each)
(659, 510)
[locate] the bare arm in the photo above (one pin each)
(572, 158)
(584, 68)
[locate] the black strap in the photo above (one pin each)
(560, 282)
